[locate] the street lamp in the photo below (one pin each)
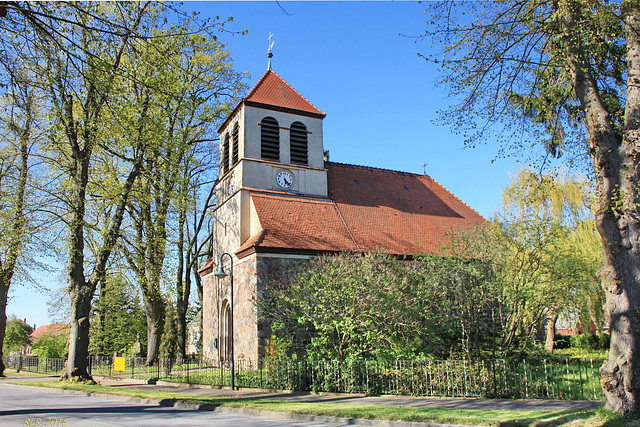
(220, 274)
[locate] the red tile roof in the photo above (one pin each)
(370, 210)
(273, 93)
(55, 329)
(396, 212)
(272, 90)
(299, 223)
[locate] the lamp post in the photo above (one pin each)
(220, 274)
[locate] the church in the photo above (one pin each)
(279, 203)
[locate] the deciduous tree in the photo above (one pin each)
(17, 335)
(565, 73)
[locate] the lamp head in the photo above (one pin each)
(220, 274)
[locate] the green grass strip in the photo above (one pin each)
(379, 412)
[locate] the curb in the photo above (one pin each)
(249, 412)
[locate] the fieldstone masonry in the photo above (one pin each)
(251, 275)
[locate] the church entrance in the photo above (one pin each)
(225, 332)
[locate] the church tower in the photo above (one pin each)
(270, 144)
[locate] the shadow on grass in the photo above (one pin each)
(557, 419)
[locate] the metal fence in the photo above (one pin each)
(569, 379)
(34, 364)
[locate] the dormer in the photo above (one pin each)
(273, 129)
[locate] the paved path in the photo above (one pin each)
(406, 401)
(402, 401)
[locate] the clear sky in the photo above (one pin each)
(358, 62)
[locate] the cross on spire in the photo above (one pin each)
(269, 54)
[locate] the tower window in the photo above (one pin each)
(224, 158)
(235, 135)
(298, 143)
(270, 139)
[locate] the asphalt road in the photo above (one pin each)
(20, 406)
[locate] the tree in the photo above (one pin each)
(19, 117)
(568, 70)
(52, 344)
(118, 318)
(83, 54)
(17, 335)
(562, 205)
(193, 91)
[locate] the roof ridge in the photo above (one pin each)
(435, 181)
(277, 193)
(457, 198)
(378, 168)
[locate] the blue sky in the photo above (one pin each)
(357, 62)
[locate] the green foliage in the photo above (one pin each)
(52, 344)
(591, 341)
(362, 306)
(549, 222)
(17, 335)
(509, 65)
(117, 318)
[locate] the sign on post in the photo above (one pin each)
(118, 364)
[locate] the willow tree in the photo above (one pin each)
(559, 205)
(565, 74)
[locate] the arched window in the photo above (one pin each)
(270, 139)
(225, 331)
(224, 156)
(298, 144)
(235, 135)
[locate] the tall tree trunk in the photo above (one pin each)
(617, 218)
(4, 290)
(552, 318)
(154, 308)
(81, 290)
(182, 287)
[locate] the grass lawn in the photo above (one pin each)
(437, 415)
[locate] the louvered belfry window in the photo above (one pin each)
(298, 144)
(224, 157)
(270, 139)
(235, 135)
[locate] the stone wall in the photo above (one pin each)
(215, 292)
(251, 275)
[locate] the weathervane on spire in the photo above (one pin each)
(269, 54)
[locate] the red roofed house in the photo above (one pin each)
(54, 329)
(280, 203)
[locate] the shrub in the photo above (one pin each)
(591, 341)
(561, 342)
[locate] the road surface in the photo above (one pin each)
(20, 406)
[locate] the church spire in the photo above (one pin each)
(269, 54)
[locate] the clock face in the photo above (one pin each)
(284, 179)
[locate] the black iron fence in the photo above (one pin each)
(34, 364)
(570, 379)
